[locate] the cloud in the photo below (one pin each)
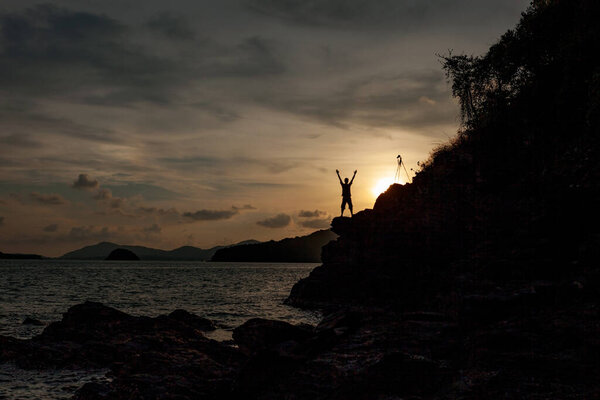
(274, 166)
(391, 14)
(48, 199)
(311, 214)
(20, 140)
(95, 59)
(171, 26)
(106, 196)
(157, 211)
(348, 13)
(154, 228)
(316, 223)
(84, 182)
(377, 101)
(50, 228)
(103, 194)
(210, 215)
(87, 233)
(278, 221)
(244, 207)
(25, 118)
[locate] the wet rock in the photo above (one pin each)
(197, 322)
(259, 334)
(148, 357)
(32, 321)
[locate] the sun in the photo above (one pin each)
(381, 186)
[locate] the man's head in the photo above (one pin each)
(345, 180)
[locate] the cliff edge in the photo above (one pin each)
(513, 198)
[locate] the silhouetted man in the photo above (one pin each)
(346, 196)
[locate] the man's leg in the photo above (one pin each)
(343, 207)
(350, 207)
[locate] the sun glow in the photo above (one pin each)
(381, 186)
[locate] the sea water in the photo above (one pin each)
(226, 293)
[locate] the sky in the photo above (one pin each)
(206, 123)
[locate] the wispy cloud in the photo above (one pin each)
(278, 221)
(84, 182)
(48, 199)
(50, 228)
(210, 215)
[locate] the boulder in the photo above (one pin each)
(32, 321)
(259, 334)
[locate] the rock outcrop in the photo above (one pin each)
(148, 357)
(497, 233)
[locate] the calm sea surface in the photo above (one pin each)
(226, 293)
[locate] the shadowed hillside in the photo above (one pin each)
(298, 249)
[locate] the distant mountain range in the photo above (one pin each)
(185, 253)
(298, 249)
(20, 256)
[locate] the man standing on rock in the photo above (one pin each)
(346, 196)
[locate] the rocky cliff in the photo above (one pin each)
(512, 198)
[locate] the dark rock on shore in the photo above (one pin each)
(148, 357)
(259, 334)
(353, 354)
(32, 321)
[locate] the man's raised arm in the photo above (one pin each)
(337, 171)
(353, 176)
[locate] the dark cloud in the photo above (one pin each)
(273, 165)
(84, 182)
(50, 228)
(146, 190)
(27, 119)
(278, 221)
(329, 12)
(244, 207)
(171, 26)
(311, 214)
(106, 197)
(397, 14)
(48, 49)
(316, 223)
(20, 140)
(95, 59)
(210, 215)
(116, 202)
(47, 198)
(253, 57)
(87, 233)
(157, 211)
(154, 228)
(411, 100)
